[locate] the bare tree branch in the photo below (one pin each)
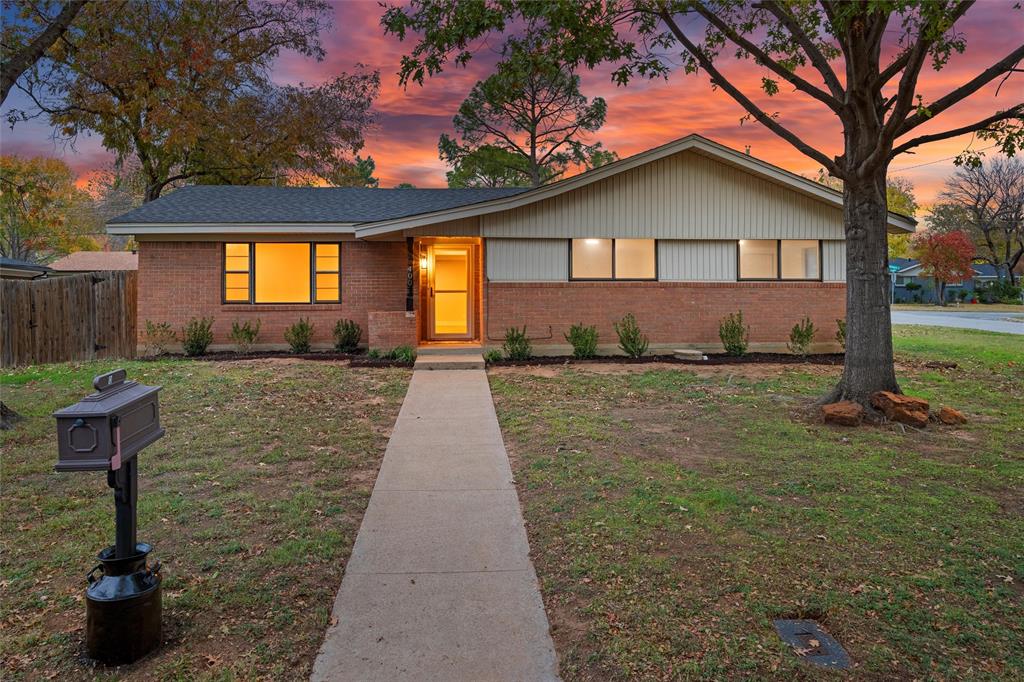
(818, 60)
(718, 79)
(966, 90)
(23, 59)
(1013, 112)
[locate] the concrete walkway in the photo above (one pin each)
(440, 585)
(1006, 323)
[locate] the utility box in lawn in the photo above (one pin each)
(105, 432)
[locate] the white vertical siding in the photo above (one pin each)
(683, 196)
(527, 260)
(464, 227)
(696, 260)
(833, 256)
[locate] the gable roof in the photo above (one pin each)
(374, 212)
(693, 142)
(263, 205)
(97, 261)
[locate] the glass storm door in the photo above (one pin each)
(448, 298)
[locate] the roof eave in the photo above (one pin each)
(140, 229)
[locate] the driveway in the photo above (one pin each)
(1007, 323)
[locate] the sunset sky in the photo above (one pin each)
(640, 116)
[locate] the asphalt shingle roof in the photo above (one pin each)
(246, 204)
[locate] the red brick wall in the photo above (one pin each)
(389, 329)
(180, 280)
(680, 313)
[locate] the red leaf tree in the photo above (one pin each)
(945, 257)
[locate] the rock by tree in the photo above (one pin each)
(988, 202)
(946, 257)
(532, 109)
(183, 87)
(831, 52)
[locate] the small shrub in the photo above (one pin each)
(583, 340)
(517, 345)
(346, 336)
(962, 295)
(402, 354)
(299, 336)
(197, 335)
(245, 335)
(159, 337)
(841, 333)
(734, 334)
(1001, 291)
(632, 342)
(801, 337)
(373, 353)
(493, 355)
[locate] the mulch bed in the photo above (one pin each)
(713, 359)
(357, 359)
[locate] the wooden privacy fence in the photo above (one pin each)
(78, 317)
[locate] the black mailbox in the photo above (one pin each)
(104, 432)
(109, 427)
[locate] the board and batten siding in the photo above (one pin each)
(527, 260)
(683, 196)
(696, 260)
(833, 257)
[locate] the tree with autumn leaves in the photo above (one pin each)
(183, 88)
(43, 214)
(946, 257)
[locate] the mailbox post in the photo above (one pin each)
(104, 432)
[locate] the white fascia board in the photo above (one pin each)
(230, 228)
(694, 142)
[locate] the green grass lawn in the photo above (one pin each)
(673, 514)
(252, 501)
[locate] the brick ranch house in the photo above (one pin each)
(680, 236)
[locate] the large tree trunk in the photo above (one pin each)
(869, 361)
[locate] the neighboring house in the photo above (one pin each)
(911, 286)
(680, 235)
(97, 261)
(11, 268)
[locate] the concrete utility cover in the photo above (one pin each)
(812, 644)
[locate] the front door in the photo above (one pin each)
(449, 295)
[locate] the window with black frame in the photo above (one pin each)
(613, 259)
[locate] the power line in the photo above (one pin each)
(929, 163)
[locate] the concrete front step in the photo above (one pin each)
(449, 361)
(449, 349)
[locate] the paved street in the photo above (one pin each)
(1007, 323)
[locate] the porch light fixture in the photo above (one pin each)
(423, 263)
(592, 242)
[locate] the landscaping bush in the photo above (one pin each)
(583, 340)
(801, 337)
(245, 335)
(1001, 291)
(299, 336)
(841, 333)
(734, 334)
(632, 342)
(346, 336)
(493, 355)
(159, 336)
(962, 295)
(197, 335)
(373, 353)
(402, 354)
(517, 345)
